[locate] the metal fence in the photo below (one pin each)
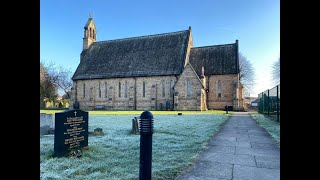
(269, 103)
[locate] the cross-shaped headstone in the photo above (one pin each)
(75, 113)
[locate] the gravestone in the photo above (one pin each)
(46, 123)
(71, 132)
(135, 126)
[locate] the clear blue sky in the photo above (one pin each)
(255, 23)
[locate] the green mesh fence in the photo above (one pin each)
(269, 103)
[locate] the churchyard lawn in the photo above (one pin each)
(176, 143)
(270, 125)
(101, 112)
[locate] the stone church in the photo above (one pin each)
(156, 72)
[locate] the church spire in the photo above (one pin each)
(89, 33)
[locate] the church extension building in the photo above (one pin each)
(156, 72)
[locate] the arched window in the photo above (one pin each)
(119, 89)
(188, 88)
(94, 34)
(89, 32)
(84, 90)
(126, 90)
(219, 88)
(85, 33)
(171, 87)
(163, 88)
(144, 89)
(106, 90)
(99, 89)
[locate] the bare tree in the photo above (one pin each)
(64, 80)
(276, 72)
(247, 75)
(59, 78)
(48, 88)
(43, 72)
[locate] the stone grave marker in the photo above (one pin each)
(46, 123)
(71, 132)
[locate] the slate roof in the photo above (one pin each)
(153, 55)
(218, 59)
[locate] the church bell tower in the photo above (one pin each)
(90, 33)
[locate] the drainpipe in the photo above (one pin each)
(207, 98)
(172, 108)
(135, 93)
(156, 97)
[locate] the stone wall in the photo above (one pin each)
(153, 100)
(199, 99)
(229, 89)
(241, 98)
(204, 106)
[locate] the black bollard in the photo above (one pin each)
(146, 131)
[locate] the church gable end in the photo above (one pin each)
(188, 90)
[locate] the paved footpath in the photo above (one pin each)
(240, 150)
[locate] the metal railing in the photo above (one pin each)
(269, 103)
